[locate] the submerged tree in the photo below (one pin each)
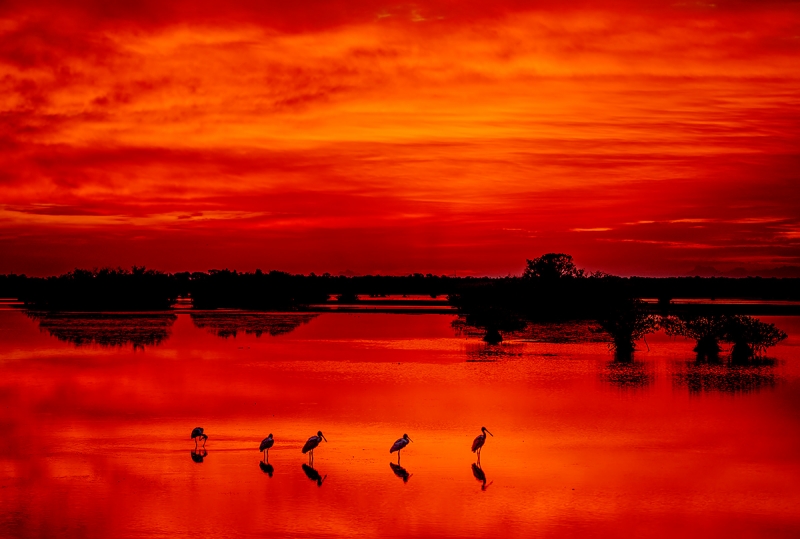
(492, 321)
(706, 330)
(626, 322)
(750, 337)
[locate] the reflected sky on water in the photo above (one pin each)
(96, 437)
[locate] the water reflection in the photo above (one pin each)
(480, 475)
(198, 455)
(701, 377)
(229, 324)
(575, 332)
(490, 324)
(561, 333)
(721, 463)
(313, 474)
(629, 374)
(480, 352)
(400, 472)
(139, 330)
(266, 467)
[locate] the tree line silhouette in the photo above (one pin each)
(551, 288)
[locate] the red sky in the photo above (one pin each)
(445, 136)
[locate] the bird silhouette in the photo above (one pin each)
(199, 455)
(197, 433)
(480, 439)
(400, 444)
(312, 443)
(266, 443)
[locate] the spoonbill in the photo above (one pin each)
(197, 432)
(266, 443)
(400, 444)
(480, 439)
(312, 443)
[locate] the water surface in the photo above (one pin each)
(96, 416)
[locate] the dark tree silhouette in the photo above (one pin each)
(551, 288)
(706, 330)
(626, 322)
(106, 289)
(750, 337)
(552, 266)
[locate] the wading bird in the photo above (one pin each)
(400, 444)
(197, 432)
(312, 443)
(480, 439)
(266, 443)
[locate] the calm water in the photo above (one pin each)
(97, 411)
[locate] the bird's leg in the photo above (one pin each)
(398, 458)
(195, 443)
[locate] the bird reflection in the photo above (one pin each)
(480, 475)
(313, 474)
(266, 467)
(400, 472)
(198, 455)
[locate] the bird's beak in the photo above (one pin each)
(409, 439)
(490, 434)
(324, 438)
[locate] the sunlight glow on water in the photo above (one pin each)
(96, 432)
